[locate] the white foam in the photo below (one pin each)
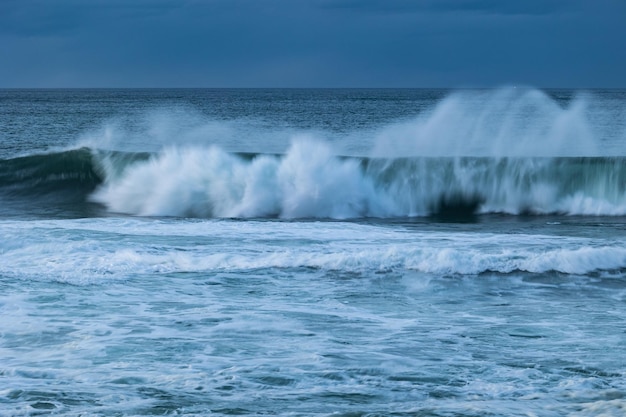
(112, 249)
(208, 182)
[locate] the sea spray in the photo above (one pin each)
(504, 122)
(157, 128)
(309, 181)
(316, 183)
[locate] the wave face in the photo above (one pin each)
(534, 185)
(310, 182)
(48, 173)
(57, 183)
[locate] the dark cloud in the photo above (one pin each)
(443, 43)
(495, 7)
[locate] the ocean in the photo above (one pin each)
(314, 252)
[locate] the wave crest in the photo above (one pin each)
(310, 181)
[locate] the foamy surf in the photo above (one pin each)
(134, 246)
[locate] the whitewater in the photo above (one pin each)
(313, 252)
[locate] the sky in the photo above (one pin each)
(313, 43)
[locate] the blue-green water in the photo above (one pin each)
(312, 252)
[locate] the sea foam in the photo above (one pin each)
(129, 247)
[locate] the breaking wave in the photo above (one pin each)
(502, 151)
(309, 181)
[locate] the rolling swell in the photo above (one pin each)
(57, 183)
(308, 181)
(49, 173)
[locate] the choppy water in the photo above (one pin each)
(312, 252)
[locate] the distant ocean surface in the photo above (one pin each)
(348, 252)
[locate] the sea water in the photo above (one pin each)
(313, 252)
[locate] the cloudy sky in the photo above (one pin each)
(312, 43)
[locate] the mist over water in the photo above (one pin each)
(508, 122)
(167, 127)
(513, 122)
